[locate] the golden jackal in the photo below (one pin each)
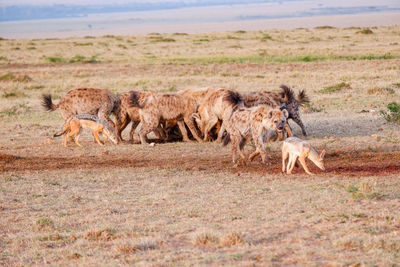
(294, 148)
(73, 126)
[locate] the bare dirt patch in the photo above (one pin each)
(354, 164)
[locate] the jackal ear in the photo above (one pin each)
(270, 114)
(322, 155)
(285, 113)
(196, 116)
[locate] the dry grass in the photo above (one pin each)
(184, 204)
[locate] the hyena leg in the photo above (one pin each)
(258, 140)
(182, 128)
(235, 147)
(133, 128)
(221, 132)
(211, 122)
(147, 127)
(192, 128)
(105, 114)
(288, 131)
(302, 160)
(300, 123)
(121, 124)
(294, 159)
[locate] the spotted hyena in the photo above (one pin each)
(98, 102)
(285, 99)
(217, 105)
(125, 114)
(253, 123)
(168, 107)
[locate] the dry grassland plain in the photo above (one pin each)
(183, 203)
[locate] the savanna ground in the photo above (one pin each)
(184, 203)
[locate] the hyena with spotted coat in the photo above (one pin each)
(285, 99)
(125, 113)
(98, 102)
(253, 123)
(217, 105)
(168, 107)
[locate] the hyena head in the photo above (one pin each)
(276, 119)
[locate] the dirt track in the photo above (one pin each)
(351, 164)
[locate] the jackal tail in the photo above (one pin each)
(65, 129)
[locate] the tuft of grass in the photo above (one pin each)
(2, 39)
(335, 88)
(325, 27)
(365, 31)
(266, 37)
(83, 44)
(146, 244)
(15, 78)
(56, 59)
(44, 223)
(82, 59)
(180, 33)
(3, 58)
(160, 39)
(205, 238)
(392, 114)
(105, 234)
(381, 91)
(232, 239)
(240, 31)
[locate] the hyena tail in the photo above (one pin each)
(287, 94)
(234, 98)
(47, 103)
(134, 100)
(302, 98)
(227, 139)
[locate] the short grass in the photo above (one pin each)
(183, 204)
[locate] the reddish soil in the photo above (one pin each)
(350, 164)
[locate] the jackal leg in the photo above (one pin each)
(96, 135)
(285, 155)
(292, 161)
(302, 160)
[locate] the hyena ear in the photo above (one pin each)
(285, 113)
(196, 116)
(322, 155)
(270, 114)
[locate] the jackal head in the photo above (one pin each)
(111, 134)
(319, 159)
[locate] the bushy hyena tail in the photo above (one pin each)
(234, 98)
(134, 100)
(47, 103)
(227, 139)
(287, 94)
(302, 98)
